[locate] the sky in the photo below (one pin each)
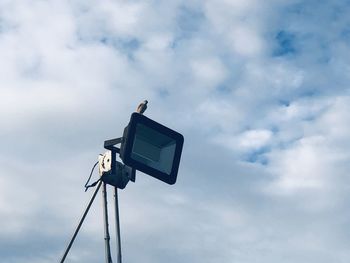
(259, 89)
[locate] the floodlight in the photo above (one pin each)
(151, 148)
(147, 146)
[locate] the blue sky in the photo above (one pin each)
(260, 90)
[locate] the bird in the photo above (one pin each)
(142, 107)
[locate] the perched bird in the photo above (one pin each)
(142, 107)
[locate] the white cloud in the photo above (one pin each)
(303, 167)
(266, 151)
(254, 139)
(246, 42)
(123, 17)
(209, 72)
(315, 164)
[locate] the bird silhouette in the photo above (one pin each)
(142, 107)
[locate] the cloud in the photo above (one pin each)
(260, 93)
(208, 71)
(307, 167)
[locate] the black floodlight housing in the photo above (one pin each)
(151, 148)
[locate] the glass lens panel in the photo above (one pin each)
(153, 149)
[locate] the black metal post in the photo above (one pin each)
(105, 217)
(117, 227)
(80, 223)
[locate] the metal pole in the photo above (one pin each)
(117, 227)
(80, 223)
(105, 216)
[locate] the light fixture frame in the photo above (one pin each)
(128, 142)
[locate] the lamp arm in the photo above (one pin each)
(109, 144)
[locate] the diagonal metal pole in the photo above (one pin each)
(80, 223)
(105, 217)
(117, 227)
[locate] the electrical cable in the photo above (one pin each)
(88, 180)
